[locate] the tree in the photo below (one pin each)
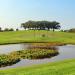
(28, 25)
(17, 29)
(55, 25)
(71, 30)
(11, 29)
(6, 29)
(41, 25)
(0, 29)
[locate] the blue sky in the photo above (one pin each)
(15, 12)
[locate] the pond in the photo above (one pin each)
(5, 49)
(65, 52)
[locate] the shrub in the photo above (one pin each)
(6, 60)
(43, 35)
(36, 53)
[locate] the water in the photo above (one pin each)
(5, 49)
(65, 52)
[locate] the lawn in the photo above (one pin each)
(66, 67)
(36, 36)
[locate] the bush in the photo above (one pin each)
(43, 35)
(36, 53)
(6, 60)
(7, 29)
(72, 30)
(11, 29)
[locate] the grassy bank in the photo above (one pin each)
(36, 36)
(58, 68)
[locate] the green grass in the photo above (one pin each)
(66, 67)
(36, 36)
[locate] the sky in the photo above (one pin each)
(15, 12)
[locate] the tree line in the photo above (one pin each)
(41, 25)
(36, 25)
(8, 29)
(70, 30)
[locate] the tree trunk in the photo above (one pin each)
(53, 29)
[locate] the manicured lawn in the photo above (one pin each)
(36, 36)
(66, 67)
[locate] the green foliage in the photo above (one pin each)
(6, 60)
(43, 35)
(35, 53)
(11, 29)
(1, 29)
(71, 30)
(7, 29)
(41, 25)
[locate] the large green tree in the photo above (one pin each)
(55, 25)
(41, 25)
